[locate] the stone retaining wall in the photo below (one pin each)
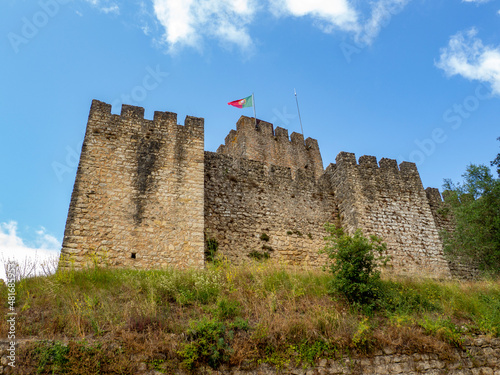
(480, 356)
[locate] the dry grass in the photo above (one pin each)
(262, 312)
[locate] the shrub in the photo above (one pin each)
(355, 262)
(52, 356)
(210, 342)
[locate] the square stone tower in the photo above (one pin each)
(138, 195)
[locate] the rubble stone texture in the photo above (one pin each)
(480, 356)
(138, 195)
(146, 195)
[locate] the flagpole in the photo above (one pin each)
(254, 113)
(298, 110)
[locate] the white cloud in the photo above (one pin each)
(188, 21)
(45, 247)
(381, 13)
(113, 8)
(105, 6)
(475, 1)
(329, 14)
(466, 55)
(342, 15)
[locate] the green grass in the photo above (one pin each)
(227, 315)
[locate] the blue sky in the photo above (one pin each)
(415, 80)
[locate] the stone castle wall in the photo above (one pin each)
(461, 268)
(264, 144)
(440, 213)
(138, 194)
(251, 206)
(390, 202)
(146, 195)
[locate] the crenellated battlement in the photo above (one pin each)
(367, 161)
(131, 119)
(273, 146)
(138, 194)
(277, 173)
(385, 171)
(389, 201)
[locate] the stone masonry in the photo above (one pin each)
(390, 202)
(138, 194)
(251, 206)
(146, 195)
(263, 144)
(465, 269)
(480, 356)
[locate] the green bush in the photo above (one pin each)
(52, 356)
(210, 342)
(355, 262)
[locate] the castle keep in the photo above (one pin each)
(147, 195)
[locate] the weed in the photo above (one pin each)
(228, 314)
(310, 352)
(362, 339)
(209, 343)
(227, 309)
(267, 248)
(443, 328)
(258, 255)
(52, 356)
(211, 246)
(404, 298)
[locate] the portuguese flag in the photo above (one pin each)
(242, 103)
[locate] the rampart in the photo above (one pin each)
(146, 195)
(252, 207)
(390, 202)
(138, 194)
(262, 143)
(460, 267)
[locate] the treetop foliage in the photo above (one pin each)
(475, 206)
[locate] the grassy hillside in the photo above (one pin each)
(96, 320)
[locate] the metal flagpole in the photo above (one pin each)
(254, 113)
(298, 110)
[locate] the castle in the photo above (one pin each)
(147, 195)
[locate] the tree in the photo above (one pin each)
(355, 265)
(497, 161)
(475, 206)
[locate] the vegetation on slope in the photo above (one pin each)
(96, 320)
(475, 208)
